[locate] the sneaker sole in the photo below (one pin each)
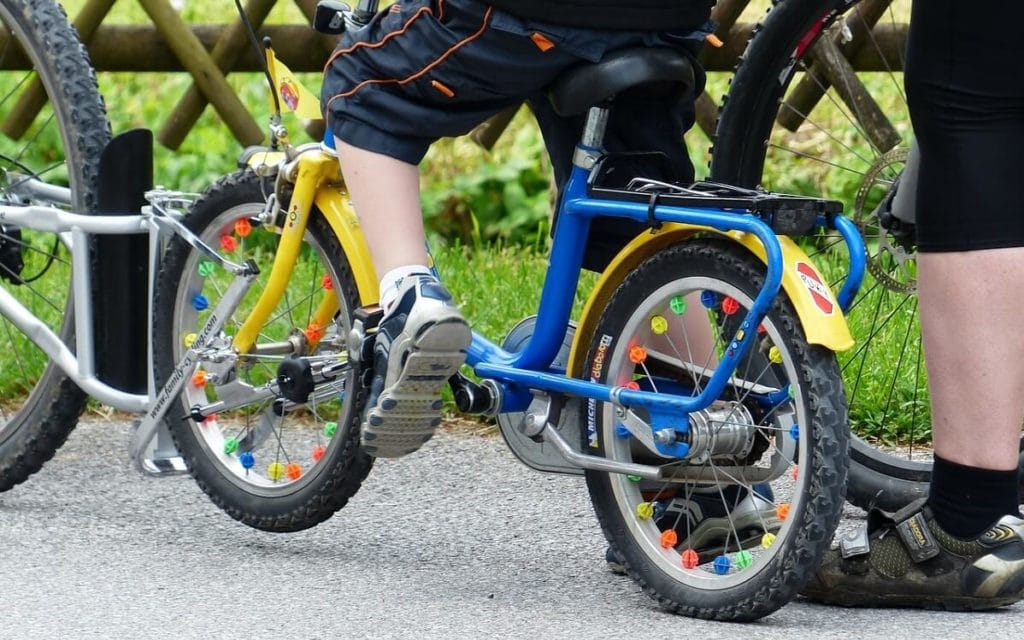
(408, 411)
(842, 598)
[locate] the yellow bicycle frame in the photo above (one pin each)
(318, 184)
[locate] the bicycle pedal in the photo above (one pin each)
(163, 467)
(361, 338)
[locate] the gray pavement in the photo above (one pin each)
(456, 541)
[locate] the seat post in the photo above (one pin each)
(590, 145)
(594, 128)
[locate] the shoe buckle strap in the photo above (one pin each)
(917, 538)
(855, 543)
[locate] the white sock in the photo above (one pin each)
(392, 282)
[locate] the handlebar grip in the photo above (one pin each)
(329, 17)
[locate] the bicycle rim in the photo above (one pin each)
(719, 536)
(271, 461)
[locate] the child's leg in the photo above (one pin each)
(421, 339)
(390, 217)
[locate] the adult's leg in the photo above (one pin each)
(962, 548)
(970, 304)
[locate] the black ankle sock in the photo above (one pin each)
(968, 500)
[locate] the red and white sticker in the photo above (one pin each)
(820, 292)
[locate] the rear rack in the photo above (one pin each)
(785, 214)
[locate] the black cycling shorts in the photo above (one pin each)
(965, 86)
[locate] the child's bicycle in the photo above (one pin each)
(698, 392)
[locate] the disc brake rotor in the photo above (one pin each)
(892, 265)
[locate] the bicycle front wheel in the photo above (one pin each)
(273, 461)
(746, 509)
(799, 119)
(53, 128)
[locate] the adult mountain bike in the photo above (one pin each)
(798, 117)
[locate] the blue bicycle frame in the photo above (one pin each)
(517, 373)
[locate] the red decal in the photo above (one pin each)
(820, 292)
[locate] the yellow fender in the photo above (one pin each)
(822, 319)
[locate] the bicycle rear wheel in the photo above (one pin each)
(798, 119)
(272, 462)
(53, 128)
(748, 506)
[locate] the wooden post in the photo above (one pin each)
(840, 74)
(233, 42)
(811, 89)
(33, 97)
(208, 77)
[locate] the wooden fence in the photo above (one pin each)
(209, 51)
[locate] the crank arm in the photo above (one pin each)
(239, 394)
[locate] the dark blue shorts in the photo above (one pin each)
(426, 69)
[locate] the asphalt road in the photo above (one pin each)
(456, 541)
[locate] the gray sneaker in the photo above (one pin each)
(907, 560)
(420, 343)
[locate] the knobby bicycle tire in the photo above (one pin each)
(274, 464)
(39, 405)
(737, 530)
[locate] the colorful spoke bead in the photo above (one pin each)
(228, 243)
(743, 560)
(230, 445)
(200, 302)
(199, 379)
(314, 332)
(678, 305)
(669, 539)
(622, 431)
(730, 306)
(709, 299)
(782, 511)
(190, 340)
(247, 460)
(205, 268)
(760, 328)
(327, 283)
(293, 471)
(659, 325)
(243, 227)
(795, 473)
(775, 355)
(318, 452)
(722, 565)
(637, 354)
(767, 540)
(633, 385)
(330, 428)
(645, 510)
(275, 471)
(690, 559)
(794, 432)
(634, 479)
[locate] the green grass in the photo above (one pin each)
(487, 212)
